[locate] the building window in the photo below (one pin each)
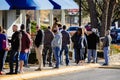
(17, 13)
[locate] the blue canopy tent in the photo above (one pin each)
(30, 4)
(4, 5)
(64, 4)
(37, 4)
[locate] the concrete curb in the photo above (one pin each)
(110, 67)
(51, 72)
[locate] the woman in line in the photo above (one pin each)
(80, 44)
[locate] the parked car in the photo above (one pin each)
(118, 35)
(72, 29)
(115, 34)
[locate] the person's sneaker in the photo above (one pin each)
(43, 65)
(2, 73)
(67, 65)
(9, 73)
(39, 69)
(21, 72)
(55, 67)
(50, 65)
(105, 64)
(93, 62)
(27, 66)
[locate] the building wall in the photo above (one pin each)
(11, 20)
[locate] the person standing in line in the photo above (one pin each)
(3, 48)
(14, 53)
(60, 27)
(106, 47)
(26, 61)
(6, 52)
(65, 43)
(85, 34)
(39, 41)
(56, 45)
(55, 23)
(47, 46)
(79, 43)
(25, 45)
(93, 40)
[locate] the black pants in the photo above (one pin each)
(14, 57)
(47, 53)
(2, 56)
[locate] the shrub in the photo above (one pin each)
(115, 49)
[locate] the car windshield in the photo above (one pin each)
(72, 29)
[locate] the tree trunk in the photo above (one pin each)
(111, 8)
(93, 13)
(79, 12)
(104, 18)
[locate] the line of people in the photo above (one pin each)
(50, 44)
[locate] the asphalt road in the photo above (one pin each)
(93, 74)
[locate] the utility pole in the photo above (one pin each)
(79, 12)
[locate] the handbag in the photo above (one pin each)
(5, 45)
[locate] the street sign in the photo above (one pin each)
(73, 11)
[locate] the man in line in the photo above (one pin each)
(93, 40)
(65, 43)
(39, 46)
(25, 46)
(56, 45)
(106, 47)
(47, 46)
(14, 53)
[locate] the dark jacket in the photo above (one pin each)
(107, 41)
(92, 41)
(48, 37)
(65, 38)
(25, 41)
(79, 41)
(15, 41)
(39, 40)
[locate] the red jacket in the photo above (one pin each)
(25, 42)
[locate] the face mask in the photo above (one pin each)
(54, 31)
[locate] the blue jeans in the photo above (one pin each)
(14, 57)
(106, 54)
(90, 52)
(5, 57)
(56, 51)
(26, 61)
(64, 48)
(82, 53)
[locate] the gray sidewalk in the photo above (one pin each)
(30, 73)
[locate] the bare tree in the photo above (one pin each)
(93, 13)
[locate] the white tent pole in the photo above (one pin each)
(38, 17)
(51, 18)
(63, 17)
(0, 18)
